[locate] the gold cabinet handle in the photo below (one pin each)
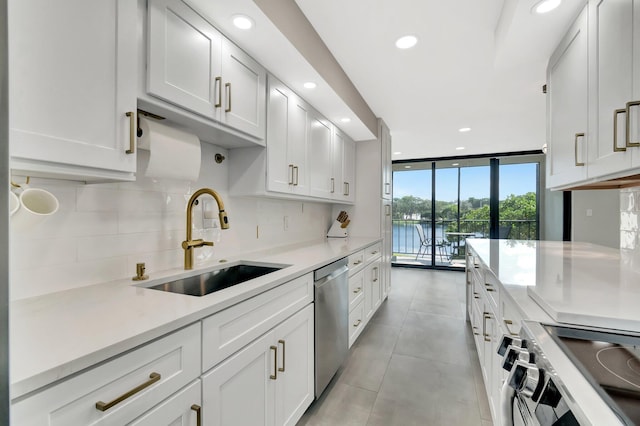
(507, 323)
(217, 88)
(476, 295)
(387, 188)
(295, 170)
(357, 290)
(357, 262)
(333, 185)
(274, 376)
(575, 148)
(357, 323)
(290, 174)
(616, 148)
(346, 188)
(375, 274)
(629, 142)
(475, 332)
(485, 317)
(104, 406)
(227, 89)
(283, 355)
(198, 410)
(489, 287)
(132, 132)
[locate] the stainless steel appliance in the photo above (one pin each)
(569, 375)
(331, 317)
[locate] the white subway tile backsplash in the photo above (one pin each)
(630, 222)
(102, 230)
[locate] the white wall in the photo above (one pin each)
(102, 230)
(603, 226)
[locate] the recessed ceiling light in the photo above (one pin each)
(309, 85)
(243, 22)
(459, 148)
(406, 42)
(545, 6)
(464, 129)
(407, 167)
(455, 164)
(345, 120)
(397, 153)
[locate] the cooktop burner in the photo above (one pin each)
(610, 361)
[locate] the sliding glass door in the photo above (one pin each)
(439, 204)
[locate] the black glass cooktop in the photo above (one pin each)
(610, 360)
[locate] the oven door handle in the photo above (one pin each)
(507, 396)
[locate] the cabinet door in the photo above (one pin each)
(297, 144)
(345, 158)
(387, 241)
(320, 155)
(183, 408)
(295, 382)
(280, 167)
(184, 58)
(568, 108)
(72, 79)
(387, 173)
(372, 293)
(244, 88)
(337, 150)
(611, 33)
(240, 391)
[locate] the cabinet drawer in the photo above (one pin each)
(356, 289)
(356, 262)
(227, 331)
(356, 322)
(165, 366)
(372, 252)
(182, 409)
(492, 286)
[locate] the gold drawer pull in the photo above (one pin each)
(357, 323)
(132, 132)
(283, 355)
(507, 323)
(476, 295)
(218, 88)
(475, 332)
(357, 290)
(274, 376)
(104, 406)
(357, 262)
(227, 88)
(616, 148)
(489, 287)
(629, 142)
(575, 149)
(198, 410)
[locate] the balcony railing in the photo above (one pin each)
(407, 241)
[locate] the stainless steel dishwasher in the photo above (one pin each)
(331, 317)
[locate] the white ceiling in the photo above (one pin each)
(478, 64)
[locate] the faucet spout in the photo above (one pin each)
(189, 244)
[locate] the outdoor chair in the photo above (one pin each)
(424, 242)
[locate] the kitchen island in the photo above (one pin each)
(571, 284)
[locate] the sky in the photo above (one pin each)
(515, 179)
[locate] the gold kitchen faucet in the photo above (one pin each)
(188, 245)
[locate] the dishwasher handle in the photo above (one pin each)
(330, 271)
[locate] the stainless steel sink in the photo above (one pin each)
(218, 279)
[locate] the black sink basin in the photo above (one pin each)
(212, 281)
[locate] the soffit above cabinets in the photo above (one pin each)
(266, 43)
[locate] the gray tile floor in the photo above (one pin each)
(414, 364)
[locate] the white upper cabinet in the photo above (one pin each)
(321, 182)
(567, 107)
(615, 82)
(72, 80)
(348, 170)
(192, 65)
(184, 58)
(286, 140)
(387, 173)
(601, 116)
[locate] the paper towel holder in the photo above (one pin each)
(147, 114)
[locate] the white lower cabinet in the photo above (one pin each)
(492, 314)
(373, 290)
(119, 391)
(184, 408)
(366, 288)
(268, 382)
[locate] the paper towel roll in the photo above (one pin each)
(173, 153)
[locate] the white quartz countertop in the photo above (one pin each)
(574, 283)
(59, 334)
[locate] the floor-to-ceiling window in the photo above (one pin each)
(440, 203)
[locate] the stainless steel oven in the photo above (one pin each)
(564, 375)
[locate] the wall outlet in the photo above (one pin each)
(589, 212)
